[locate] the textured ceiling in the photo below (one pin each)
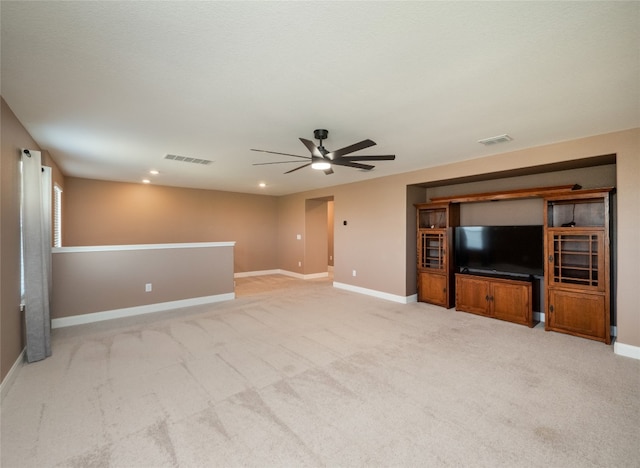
(110, 88)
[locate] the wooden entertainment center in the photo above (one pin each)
(577, 263)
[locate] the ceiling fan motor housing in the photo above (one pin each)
(320, 134)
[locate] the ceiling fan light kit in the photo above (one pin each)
(323, 160)
(320, 164)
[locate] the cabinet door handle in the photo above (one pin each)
(551, 308)
(486, 298)
(551, 258)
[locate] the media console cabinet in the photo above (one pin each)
(577, 262)
(497, 297)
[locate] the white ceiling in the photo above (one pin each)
(110, 88)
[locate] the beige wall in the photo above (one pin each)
(370, 240)
(316, 241)
(112, 213)
(291, 222)
(98, 281)
(330, 229)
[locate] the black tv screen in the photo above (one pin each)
(500, 249)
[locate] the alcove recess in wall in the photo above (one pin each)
(516, 207)
(592, 172)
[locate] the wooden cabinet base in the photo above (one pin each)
(432, 288)
(579, 314)
(504, 299)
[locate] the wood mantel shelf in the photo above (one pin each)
(508, 194)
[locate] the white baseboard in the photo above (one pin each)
(245, 274)
(293, 274)
(374, 293)
(138, 310)
(412, 298)
(626, 350)
(317, 275)
(5, 386)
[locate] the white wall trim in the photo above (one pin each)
(6, 384)
(626, 350)
(373, 292)
(138, 310)
(317, 275)
(111, 248)
(293, 274)
(412, 298)
(301, 276)
(245, 274)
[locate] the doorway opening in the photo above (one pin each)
(319, 227)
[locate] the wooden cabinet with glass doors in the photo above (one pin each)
(435, 252)
(578, 264)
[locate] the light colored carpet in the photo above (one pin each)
(297, 373)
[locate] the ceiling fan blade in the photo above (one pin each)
(381, 157)
(342, 162)
(351, 148)
(328, 171)
(283, 154)
(300, 167)
(313, 149)
(276, 162)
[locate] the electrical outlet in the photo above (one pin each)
(353, 272)
(299, 236)
(148, 287)
(299, 264)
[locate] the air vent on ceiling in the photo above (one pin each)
(495, 140)
(187, 159)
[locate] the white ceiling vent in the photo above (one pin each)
(495, 140)
(187, 159)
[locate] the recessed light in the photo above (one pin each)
(262, 184)
(154, 172)
(146, 181)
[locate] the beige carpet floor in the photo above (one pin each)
(297, 373)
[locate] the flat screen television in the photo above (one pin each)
(500, 249)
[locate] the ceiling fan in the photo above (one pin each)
(324, 160)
